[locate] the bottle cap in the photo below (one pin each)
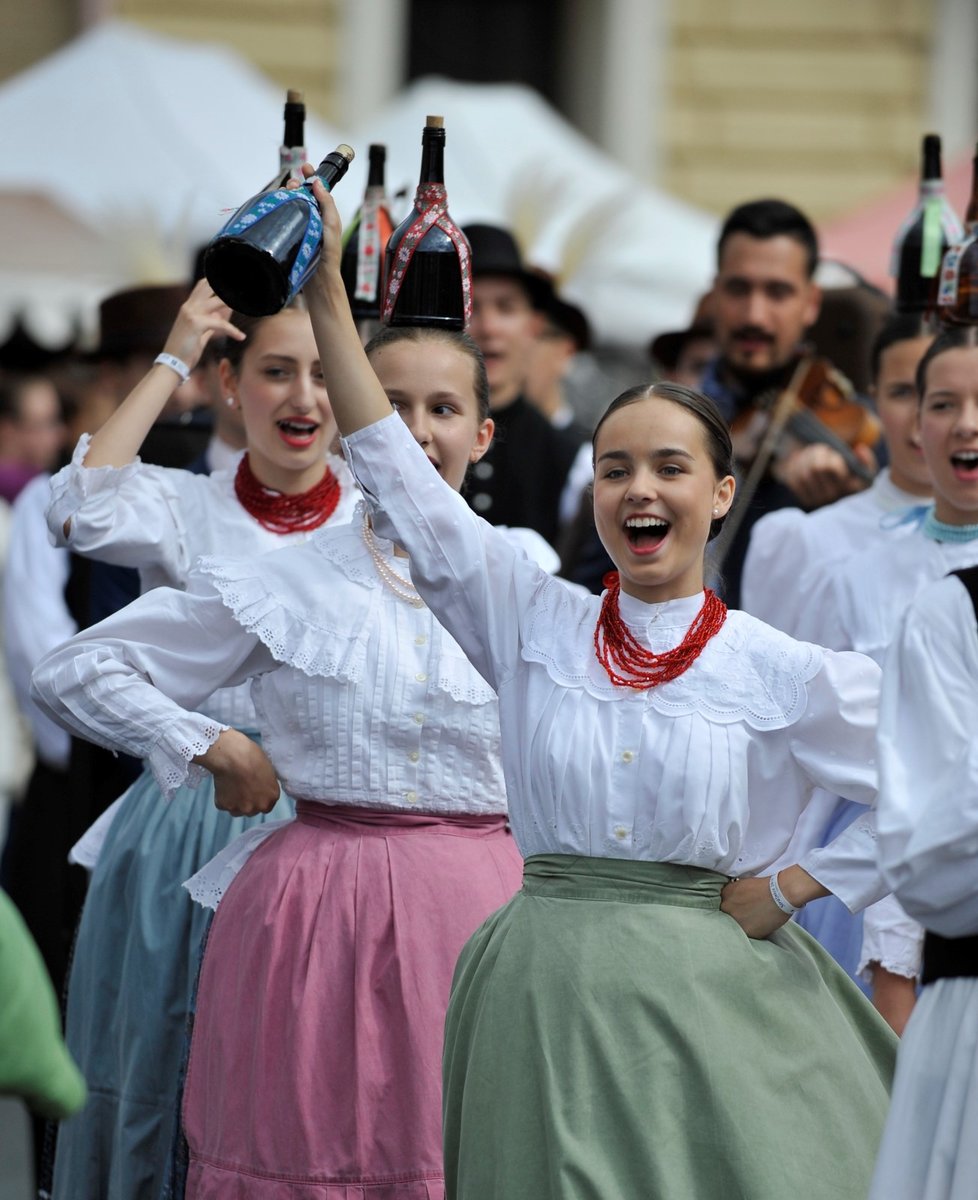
(435, 122)
(293, 97)
(346, 151)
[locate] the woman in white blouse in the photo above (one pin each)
(316, 1052)
(139, 936)
(862, 607)
(928, 828)
(636, 1022)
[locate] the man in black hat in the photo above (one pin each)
(520, 479)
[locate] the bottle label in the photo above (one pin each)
(930, 248)
(369, 251)
(431, 208)
(290, 160)
(947, 293)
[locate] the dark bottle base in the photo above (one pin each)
(248, 279)
(422, 320)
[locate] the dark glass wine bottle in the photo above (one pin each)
(924, 237)
(427, 267)
(292, 152)
(958, 296)
(365, 244)
(271, 245)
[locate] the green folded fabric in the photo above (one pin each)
(34, 1061)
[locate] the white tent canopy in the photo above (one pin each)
(120, 154)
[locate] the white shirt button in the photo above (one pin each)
(420, 640)
(411, 797)
(421, 677)
(627, 756)
(621, 832)
(414, 756)
(419, 718)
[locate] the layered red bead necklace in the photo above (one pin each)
(281, 513)
(618, 650)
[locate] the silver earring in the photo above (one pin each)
(716, 512)
(229, 401)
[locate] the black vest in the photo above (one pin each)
(953, 958)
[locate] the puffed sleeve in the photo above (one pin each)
(35, 612)
(131, 682)
(129, 516)
(476, 579)
(834, 744)
(928, 809)
(890, 938)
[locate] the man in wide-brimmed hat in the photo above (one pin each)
(520, 480)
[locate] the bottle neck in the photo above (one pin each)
(375, 176)
(295, 123)
(971, 216)
(931, 187)
(432, 156)
(930, 166)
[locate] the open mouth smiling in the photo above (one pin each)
(296, 431)
(646, 534)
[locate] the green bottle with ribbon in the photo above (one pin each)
(924, 237)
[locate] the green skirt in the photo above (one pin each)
(612, 1035)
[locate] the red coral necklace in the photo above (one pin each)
(628, 663)
(282, 513)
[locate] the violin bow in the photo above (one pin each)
(784, 406)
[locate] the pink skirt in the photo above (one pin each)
(315, 1065)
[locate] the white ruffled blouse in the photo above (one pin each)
(361, 698)
(928, 818)
(160, 520)
(710, 770)
(792, 554)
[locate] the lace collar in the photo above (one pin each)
(749, 672)
(321, 624)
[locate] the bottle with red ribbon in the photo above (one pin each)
(428, 264)
(957, 299)
(924, 237)
(365, 243)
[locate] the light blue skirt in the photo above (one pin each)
(132, 977)
(828, 920)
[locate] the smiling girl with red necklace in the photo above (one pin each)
(612, 1031)
(140, 934)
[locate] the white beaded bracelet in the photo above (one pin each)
(175, 364)
(780, 899)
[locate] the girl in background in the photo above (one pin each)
(316, 1053)
(139, 936)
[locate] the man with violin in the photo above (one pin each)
(801, 436)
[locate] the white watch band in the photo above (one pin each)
(175, 364)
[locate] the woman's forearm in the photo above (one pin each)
(355, 395)
(201, 316)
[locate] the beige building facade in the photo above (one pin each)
(716, 101)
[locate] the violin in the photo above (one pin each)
(818, 405)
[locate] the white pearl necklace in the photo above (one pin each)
(402, 588)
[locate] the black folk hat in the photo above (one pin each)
(495, 252)
(137, 320)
